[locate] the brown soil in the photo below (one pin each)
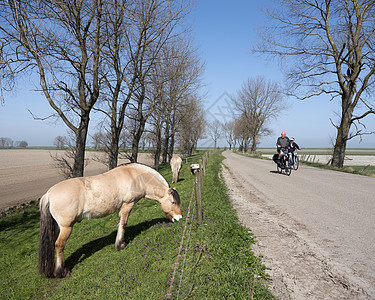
(25, 175)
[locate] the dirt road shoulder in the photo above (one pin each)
(299, 268)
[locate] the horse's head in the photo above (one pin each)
(171, 205)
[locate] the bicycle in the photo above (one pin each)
(294, 160)
(281, 164)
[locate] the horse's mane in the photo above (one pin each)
(148, 168)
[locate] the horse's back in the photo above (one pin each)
(176, 161)
(83, 197)
(100, 195)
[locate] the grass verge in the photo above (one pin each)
(219, 260)
(359, 170)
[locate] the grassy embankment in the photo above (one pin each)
(219, 261)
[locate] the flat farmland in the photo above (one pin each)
(25, 175)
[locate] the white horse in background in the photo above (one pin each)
(176, 164)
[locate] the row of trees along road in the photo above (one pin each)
(125, 58)
(328, 47)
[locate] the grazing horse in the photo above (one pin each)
(176, 164)
(75, 199)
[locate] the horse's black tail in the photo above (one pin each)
(47, 239)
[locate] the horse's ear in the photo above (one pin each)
(170, 191)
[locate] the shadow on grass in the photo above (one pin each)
(85, 251)
(20, 220)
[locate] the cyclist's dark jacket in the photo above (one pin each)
(283, 142)
(293, 146)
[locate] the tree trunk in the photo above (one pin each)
(246, 147)
(341, 140)
(81, 136)
(171, 146)
(114, 149)
(134, 156)
(190, 152)
(166, 144)
(254, 144)
(136, 138)
(157, 148)
(343, 130)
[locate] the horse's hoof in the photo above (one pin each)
(62, 273)
(121, 246)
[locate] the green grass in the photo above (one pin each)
(359, 170)
(219, 261)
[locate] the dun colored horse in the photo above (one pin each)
(176, 164)
(75, 199)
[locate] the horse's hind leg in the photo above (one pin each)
(60, 270)
(124, 214)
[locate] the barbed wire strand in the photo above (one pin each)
(169, 294)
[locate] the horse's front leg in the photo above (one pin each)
(124, 214)
(60, 270)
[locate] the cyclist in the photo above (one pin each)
(282, 145)
(292, 147)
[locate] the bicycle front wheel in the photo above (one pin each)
(288, 170)
(296, 163)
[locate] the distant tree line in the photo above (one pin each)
(131, 60)
(8, 143)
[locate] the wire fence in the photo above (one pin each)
(169, 294)
(199, 170)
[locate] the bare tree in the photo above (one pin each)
(241, 130)
(178, 79)
(228, 130)
(64, 161)
(60, 142)
(258, 101)
(169, 17)
(22, 144)
(215, 131)
(191, 126)
(99, 140)
(61, 40)
(329, 49)
(6, 142)
(137, 31)
(183, 85)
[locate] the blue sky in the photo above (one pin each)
(224, 32)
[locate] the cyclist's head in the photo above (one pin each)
(292, 139)
(283, 134)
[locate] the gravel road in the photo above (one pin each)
(315, 228)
